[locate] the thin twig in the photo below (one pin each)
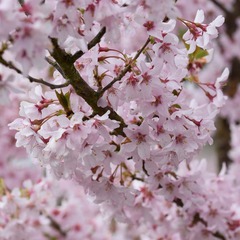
(52, 86)
(125, 70)
(10, 65)
(56, 66)
(91, 44)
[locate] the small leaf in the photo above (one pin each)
(200, 53)
(176, 106)
(181, 32)
(64, 100)
(152, 39)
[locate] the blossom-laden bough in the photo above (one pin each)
(126, 111)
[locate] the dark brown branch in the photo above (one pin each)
(144, 168)
(57, 227)
(137, 178)
(21, 2)
(56, 66)
(82, 88)
(219, 5)
(10, 65)
(222, 136)
(219, 235)
(125, 70)
(178, 202)
(198, 219)
(230, 16)
(91, 44)
(52, 86)
(222, 140)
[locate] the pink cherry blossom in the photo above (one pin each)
(123, 97)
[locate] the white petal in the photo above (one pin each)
(143, 151)
(211, 30)
(199, 16)
(218, 21)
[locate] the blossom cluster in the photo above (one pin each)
(162, 122)
(73, 23)
(15, 165)
(51, 209)
(130, 111)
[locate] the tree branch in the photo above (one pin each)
(57, 227)
(64, 60)
(219, 235)
(222, 137)
(125, 70)
(52, 86)
(21, 2)
(55, 65)
(82, 88)
(91, 44)
(219, 5)
(230, 16)
(10, 65)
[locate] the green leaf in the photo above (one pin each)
(176, 106)
(181, 32)
(152, 39)
(64, 100)
(49, 237)
(197, 54)
(200, 53)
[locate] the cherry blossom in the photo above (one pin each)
(122, 99)
(200, 34)
(43, 211)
